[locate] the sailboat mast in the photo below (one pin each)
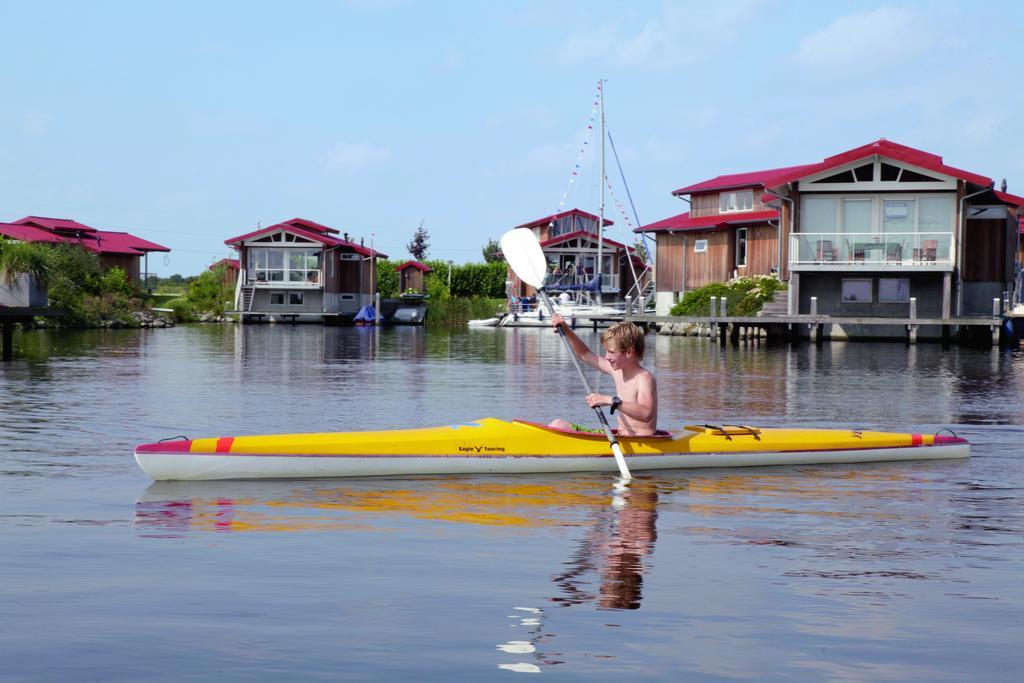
(600, 220)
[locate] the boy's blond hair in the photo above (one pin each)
(625, 337)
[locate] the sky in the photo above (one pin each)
(188, 123)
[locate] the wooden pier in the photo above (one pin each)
(11, 316)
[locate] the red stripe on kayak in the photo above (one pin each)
(224, 444)
(916, 440)
(164, 447)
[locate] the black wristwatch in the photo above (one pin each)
(616, 404)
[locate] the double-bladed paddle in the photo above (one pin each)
(525, 257)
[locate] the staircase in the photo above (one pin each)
(247, 296)
(779, 305)
(647, 296)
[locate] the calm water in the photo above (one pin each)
(897, 572)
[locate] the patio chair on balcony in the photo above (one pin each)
(894, 251)
(824, 251)
(928, 250)
(856, 251)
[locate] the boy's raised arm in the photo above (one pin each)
(581, 349)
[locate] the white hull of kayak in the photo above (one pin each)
(200, 466)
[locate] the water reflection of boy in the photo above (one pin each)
(615, 548)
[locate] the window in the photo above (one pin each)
(894, 289)
(856, 291)
(295, 298)
(741, 246)
(700, 246)
(818, 214)
(277, 264)
(277, 298)
(898, 215)
(856, 215)
(739, 200)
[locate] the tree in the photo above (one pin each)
(492, 252)
(420, 243)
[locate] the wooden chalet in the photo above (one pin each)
(569, 241)
(862, 232)
(231, 268)
(301, 270)
(410, 276)
(121, 249)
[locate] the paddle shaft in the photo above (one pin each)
(620, 458)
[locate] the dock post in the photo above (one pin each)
(376, 307)
(629, 306)
(912, 327)
(997, 311)
(714, 316)
(815, 328)
(8, 339)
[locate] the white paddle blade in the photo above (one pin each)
(524, 256)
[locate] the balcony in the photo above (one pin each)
(283, 279)
(871, 250)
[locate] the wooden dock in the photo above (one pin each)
(789, 327)
(11, 316)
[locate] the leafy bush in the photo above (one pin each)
(387, 279)
(182, 309)
(207, 293)
(17, 258)
(744, 296)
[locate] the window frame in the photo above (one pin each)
(741, 247)
(846, 298)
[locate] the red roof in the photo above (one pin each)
(63, 224)
(780, 176)
(28, 233)
(310, 225)
(717, 221)
(308, 234)
(737, 180)
(884, 148)
(231, 263)
(556, 216)
(1009, 198)
(415, 264)
(35, 229)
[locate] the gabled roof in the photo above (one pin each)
(883, 148)
(232, 263)
(28, 233)
(109, 241)
(740, 180)
(776, 177)
(717, 221)
(415, 264)
(308, 234)
(64, 224)
(310, 225)
(582, 233)
(555, 216)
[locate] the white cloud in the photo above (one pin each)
(680, 35)
(352, 156)
(863, 40)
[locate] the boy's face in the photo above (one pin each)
(618, 359)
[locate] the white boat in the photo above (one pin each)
(574, 314)
(486, 322)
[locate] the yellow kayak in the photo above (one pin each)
(491, 445)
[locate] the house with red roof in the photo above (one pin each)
(121, 249)
(302, 270)
(410, 276)
(570, 242)
(862, 232)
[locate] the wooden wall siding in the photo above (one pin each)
(669, 250)
(714, 265)
(762, 241)
(126, 262)
(985, 253)
(348, 276)
(411, 278)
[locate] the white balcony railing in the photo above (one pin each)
(871, 249)
(269, 278)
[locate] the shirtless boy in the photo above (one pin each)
(636, 394)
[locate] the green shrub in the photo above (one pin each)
(744, 296)
(182, 310)
(29, 258)
(207, 293)
(457, 311)
(387, 279)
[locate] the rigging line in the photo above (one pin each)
(623, 176)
